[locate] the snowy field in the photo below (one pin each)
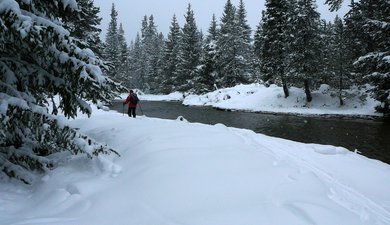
(172, 172)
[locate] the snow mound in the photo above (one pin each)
(181, 118)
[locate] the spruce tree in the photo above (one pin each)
(258, 43)
(374, 63)
(304, 49)
(112, 51)
(136, 63)
(206, 80)
(85, 26)
(153, 50)
(143, 56)
(170, 59)
(189, 54)
(123, 58)
(232, 59)
(326, 71)
(273, 52)
(356, 47)
(338, 58)
(40, 61)
(244, 45)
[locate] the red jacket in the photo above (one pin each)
(128, 101)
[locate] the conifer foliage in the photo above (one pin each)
(171, 57)
(374, 64)
(274, 36)
(207, 79)
(291, 47)
(304, 47)
(42, 64)
(189, 53)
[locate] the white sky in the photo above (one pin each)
(131, 12)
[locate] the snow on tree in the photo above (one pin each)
(123, 58)
(135, 63)
(189, 53)
(206, 80)
(145, 63)
(244, 44)
(85, 26)
(374, 63)
(112, 51)
(338, 58)
(304, 45)
(170, 58)
(153, 52)
(40, 61)
(232, 52)
(257, 50)
(142, 56)
(273, 52)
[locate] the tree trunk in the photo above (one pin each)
(341, 92)
(307, 91)
(341, 57)
(285, 89)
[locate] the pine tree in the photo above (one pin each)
(206, 80)
(39, 60)
(304, 52)
(136, 63)
(123, 58)
(374, 63)
(143, 56)
(258, 43)
(326, 67)
(153, 50)
(189, 54)
(85, 26)
(160, 46)
(232, 47)
(112, 51)
(170, 59)
(338, 57)
(244, 44)
(273, 54)
(356, 47)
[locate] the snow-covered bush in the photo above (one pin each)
(39, 59)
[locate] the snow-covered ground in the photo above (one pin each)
(258, 98)
(172, 172)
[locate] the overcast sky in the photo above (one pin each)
(131, 12)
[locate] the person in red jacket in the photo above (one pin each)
(132, 100)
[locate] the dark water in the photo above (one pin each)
(370, 137)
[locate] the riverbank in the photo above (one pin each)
(175, 172)
(261, 99)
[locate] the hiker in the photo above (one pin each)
(132, 100)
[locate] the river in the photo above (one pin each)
(368, 136)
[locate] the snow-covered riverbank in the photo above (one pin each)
(175, 172)
(258, 98)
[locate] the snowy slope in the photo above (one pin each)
(178, 173)
(258, 98)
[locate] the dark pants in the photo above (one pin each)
(131, 112)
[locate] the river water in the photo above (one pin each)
(370, 137)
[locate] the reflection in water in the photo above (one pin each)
(371, 137)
